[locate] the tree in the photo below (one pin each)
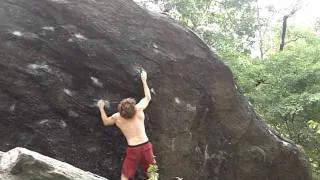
(284, 90)
(227, 25)
(284, 27)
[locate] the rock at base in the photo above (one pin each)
(20, 163)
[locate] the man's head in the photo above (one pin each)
(127, 108)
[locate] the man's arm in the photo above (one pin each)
(105, 119)
(143, 103)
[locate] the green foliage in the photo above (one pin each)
(226, 25)
(284, 90)
(314, 126)
(153, 172)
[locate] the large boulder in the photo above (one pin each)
(23, 164)
(57, 57)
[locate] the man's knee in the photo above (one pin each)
(123, 177)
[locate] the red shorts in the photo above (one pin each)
(136, 155)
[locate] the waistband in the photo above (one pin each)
(139, 144)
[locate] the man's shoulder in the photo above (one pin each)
(116, 116)
(140, 115)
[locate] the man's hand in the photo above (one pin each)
(105, 119)
(143, 75)
(101, 104)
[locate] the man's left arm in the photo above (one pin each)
(105, 119)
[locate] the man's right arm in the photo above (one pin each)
(143, 103)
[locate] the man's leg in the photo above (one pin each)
(129, 169)
(148, 158)
(123, 177)
(130, 163)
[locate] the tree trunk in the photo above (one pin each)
(284, 31)
(284, 26)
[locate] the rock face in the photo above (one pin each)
(57, 57)
(23, 164)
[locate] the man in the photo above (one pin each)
(130, 120)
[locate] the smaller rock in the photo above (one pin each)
(21, 163)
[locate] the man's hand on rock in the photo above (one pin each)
(143, 75)
(101, 103)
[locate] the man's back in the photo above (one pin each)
(134, 128)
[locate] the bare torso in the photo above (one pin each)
(133, 129)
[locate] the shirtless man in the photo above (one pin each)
(130, 120)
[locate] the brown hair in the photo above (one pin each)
(127, 108)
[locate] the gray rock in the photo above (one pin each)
(23, 164)
(58, 57)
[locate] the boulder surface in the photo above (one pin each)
(23, 164)
(58, 57)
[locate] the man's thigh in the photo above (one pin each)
(130, 164)
(148, 158)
